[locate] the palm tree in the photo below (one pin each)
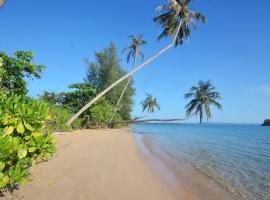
(133, 51)
(203, 96)
(150, 103)
(176, 20)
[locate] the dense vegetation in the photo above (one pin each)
(100, 73)
(24, 134)
(266, 122)
(177, 21)
(26, 124)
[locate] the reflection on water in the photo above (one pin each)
(236, 156)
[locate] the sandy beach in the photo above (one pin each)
(95, 165)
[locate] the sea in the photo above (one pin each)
(235, 156)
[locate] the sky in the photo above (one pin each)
(232, 50)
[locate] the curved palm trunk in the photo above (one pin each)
(125, 88)
(123, 78)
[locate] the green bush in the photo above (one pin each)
(99, 115)
(59, 117)
(24, 139)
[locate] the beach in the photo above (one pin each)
(96, 165)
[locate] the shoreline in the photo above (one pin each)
(183, 179)
(94, 164)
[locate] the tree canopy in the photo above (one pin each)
(150, 104)
(101, 72)
(14, 71)
(174, 14)
(203, 96)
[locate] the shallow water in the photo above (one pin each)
(236, 156)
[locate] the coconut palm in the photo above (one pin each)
(133, 51)
(150, 103)
(203, 96)
(176, 20)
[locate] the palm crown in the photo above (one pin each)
(203, 96)
(174, 14)
(150, 103)
(134, 47)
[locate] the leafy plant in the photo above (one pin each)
(13, 70)
(99, 115)
(23, 137)
(59, 116)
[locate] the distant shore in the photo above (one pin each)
(98, 165)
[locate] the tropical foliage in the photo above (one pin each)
(176, 14)
(133, 51)
(23, 137)
(134, 48)
(176, 21)
(150, 104)
(203, 96)
(14, 70)
(59, 116)
(102, 72)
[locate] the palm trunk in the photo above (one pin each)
(201, 116)
(125, 88)
(124, 78)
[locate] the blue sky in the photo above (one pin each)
(232, 50)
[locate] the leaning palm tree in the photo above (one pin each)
(150, 103)
(176, 20)
(203, 96)
(133, 52)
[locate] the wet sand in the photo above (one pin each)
(184, 180)
(95, 165)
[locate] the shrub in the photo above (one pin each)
(99, 115)
(24, 139)
(59, 117)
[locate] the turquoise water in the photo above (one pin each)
(236, 156)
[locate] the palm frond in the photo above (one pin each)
(203, 96)
(174, 14)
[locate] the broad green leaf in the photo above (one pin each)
(32, 149)
(28, 126)
(20, 128)
(1, 175)
(5, 181)
(2, 165)
(22, 153)
(5, 120)
(28, 137)
(8, 130)
(36, 134)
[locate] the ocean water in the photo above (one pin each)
(236, 156)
